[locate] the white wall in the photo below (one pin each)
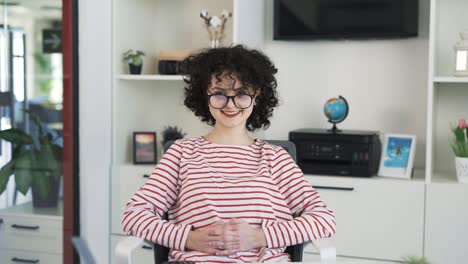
(384, 81)
(95, 127)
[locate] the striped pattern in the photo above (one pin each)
(199, 183)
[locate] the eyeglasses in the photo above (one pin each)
(241, 101)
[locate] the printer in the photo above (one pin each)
(341, 153)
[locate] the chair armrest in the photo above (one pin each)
(326, 249)
(125, 248)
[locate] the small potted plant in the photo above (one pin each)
(135, 60)
(171, 133)
(36, 163)
(460, 149)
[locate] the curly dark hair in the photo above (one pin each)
(252, 67)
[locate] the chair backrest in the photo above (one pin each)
(287, 145)
(83, 250)
(161, 253)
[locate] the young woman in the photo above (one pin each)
(230, 198)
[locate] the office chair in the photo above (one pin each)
(83, 250)
(161, 253)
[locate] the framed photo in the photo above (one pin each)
(397, 156)
(144, 147)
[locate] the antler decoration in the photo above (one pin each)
(215, 26)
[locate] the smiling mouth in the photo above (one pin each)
(230, 115)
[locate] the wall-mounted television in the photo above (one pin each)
(344, 19)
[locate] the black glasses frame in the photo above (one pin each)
(230, 98)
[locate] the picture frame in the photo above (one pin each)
(397, 156)
(144, 147)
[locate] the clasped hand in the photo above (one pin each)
(224, 239)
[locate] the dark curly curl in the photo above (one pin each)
(253, 68)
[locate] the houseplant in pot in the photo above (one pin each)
(36, 163)
(171, 133)
(135, 60)
(460, 148)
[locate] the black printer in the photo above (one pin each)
(345, 153)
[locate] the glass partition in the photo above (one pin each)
(31, 85)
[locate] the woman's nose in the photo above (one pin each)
(230, 103)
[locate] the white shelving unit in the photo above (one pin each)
(31, 235)
(447, 94)
(150, 102)
(447, 97)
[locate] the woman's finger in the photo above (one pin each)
(225, 252)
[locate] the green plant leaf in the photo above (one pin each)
(23, 170)
(459, 135)
(16, 136)
(5, 172)
(58, 154)
(49, 161)
(137, 61)
(41, 183)
(44, 139)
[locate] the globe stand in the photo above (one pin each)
(334, 129)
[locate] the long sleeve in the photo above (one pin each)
(313, 219)
(144, 211)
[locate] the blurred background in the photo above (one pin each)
(31, 74)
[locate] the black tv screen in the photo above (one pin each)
(347, 19)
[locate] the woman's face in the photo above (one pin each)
(230, 112)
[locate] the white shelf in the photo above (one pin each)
(450, 79)
(150, 77)
(418, 177)
(444, 177)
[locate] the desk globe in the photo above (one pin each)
(336, 110)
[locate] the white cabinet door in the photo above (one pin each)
(125, 182)
(9, 256)
(446, 239)
(142, 255)
(315, 258)
(376, 218)
(31, 233)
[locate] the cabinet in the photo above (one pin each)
(32, 235)
(446, 213)
(447, 94)
(125, 181)
(446, 233)
(315, 258)
(377, 218)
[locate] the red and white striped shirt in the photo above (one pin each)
(199, 183)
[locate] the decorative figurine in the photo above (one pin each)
(215, 26)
